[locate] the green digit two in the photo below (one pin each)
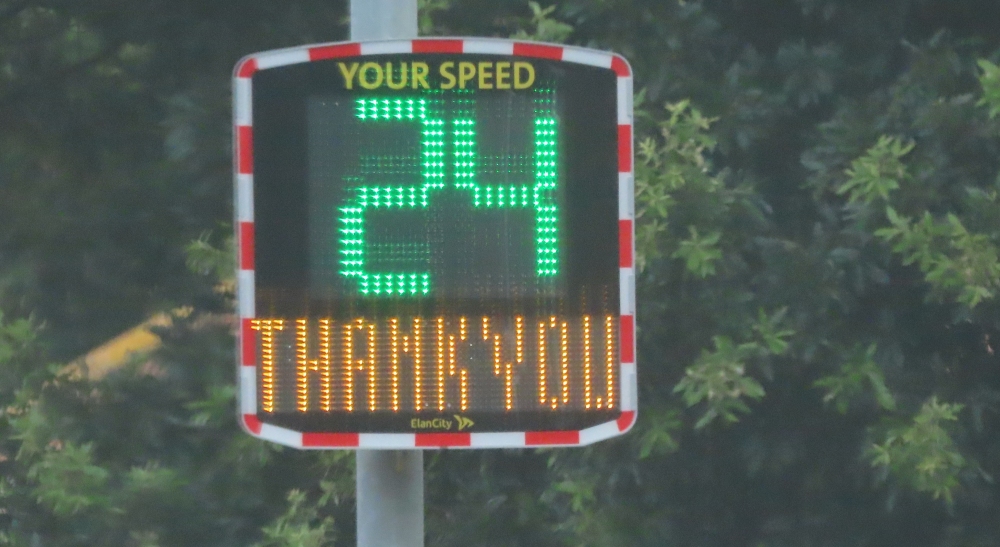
(352, 215)
(539, 195)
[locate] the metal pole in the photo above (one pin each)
(390, 493)
(383, 19)
(390, 483)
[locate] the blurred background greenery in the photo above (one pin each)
(817, 191)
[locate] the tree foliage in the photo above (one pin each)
(817, 223)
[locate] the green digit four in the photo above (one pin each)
(540, 195)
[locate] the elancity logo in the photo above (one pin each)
(442, 423)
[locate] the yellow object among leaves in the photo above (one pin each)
(135, 342)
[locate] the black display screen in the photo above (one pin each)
(436, 241)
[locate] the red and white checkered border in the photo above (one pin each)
(244, 224)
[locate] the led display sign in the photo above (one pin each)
(435, 244)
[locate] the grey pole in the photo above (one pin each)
(383, 19)
(390, 493)
(390, 483)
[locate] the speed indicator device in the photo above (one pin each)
(435, 244)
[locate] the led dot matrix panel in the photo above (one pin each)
(435, 244)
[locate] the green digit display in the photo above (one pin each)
(449, 158)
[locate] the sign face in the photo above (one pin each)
(435, 244)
